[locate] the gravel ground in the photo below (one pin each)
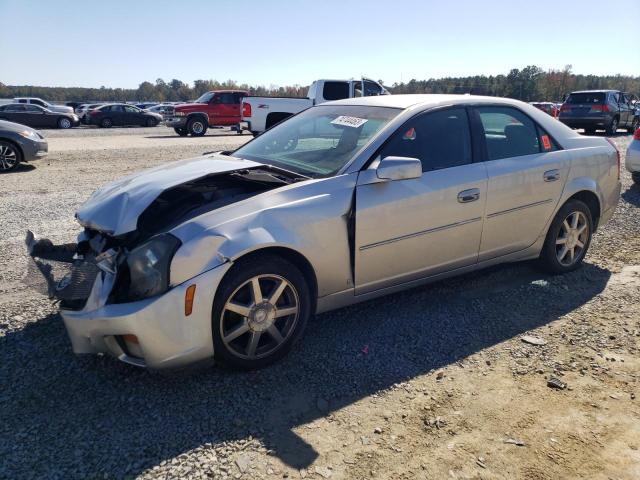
(434, 382)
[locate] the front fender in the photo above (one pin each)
(310, 220)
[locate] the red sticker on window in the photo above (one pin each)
(410, 134)
(546, 143)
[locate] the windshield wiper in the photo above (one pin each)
(270, 174)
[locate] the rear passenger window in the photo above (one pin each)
(335, 90)
(439, 139)
(508, 133)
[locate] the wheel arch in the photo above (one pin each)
(292, 256)
(592, 201)
(15, 144)
(203, 115)
(274, 118)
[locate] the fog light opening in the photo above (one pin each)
(188, 300)
(132, 345)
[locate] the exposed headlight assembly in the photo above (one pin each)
(149, 266)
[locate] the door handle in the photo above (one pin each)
(470, 195)
(551, 175)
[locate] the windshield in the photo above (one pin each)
(205, 97)
(319, 141)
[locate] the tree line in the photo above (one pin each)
(529, 84)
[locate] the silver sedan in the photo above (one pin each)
(227, 256)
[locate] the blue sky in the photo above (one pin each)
(122, 43)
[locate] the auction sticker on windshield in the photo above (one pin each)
(347, 121)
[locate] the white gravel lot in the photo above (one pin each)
(428, 383)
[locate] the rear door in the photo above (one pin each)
(16, 113)
(415, 228)
(626, 111)
(117, 115)
(527, 171)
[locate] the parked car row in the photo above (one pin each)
(36, 116)
(19, 143)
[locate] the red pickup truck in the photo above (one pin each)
(218, 108)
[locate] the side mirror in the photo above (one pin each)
(399, 168)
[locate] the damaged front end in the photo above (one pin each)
(79, 275)
(114, 284)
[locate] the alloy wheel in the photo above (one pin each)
(197, 127)
(572, 238)
(259, 316)
(8, 158)
(65, 123)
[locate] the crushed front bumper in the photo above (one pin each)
(167, 338)
(163, 335)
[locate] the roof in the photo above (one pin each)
(406, 101)
(600, 90)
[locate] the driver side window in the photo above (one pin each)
(438, 139)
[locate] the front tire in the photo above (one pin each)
(64, 123)
(10, 156)
(181, 131)
(568, 238)
(106, 123)
(260, 312)
(197, 127)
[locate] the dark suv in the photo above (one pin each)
(599, 110)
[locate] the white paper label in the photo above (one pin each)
(346, 121)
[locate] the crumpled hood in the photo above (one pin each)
(115, 207)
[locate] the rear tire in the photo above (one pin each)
(273, 331)
(568, 238)
(181, 131)
(64, 123)
(634, 125)
(197, 127)
(10, 156)
(151, 122)
(106, 123)
(635, 176)
(612, 128)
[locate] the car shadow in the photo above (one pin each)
(230, 134)
(21, 168)
(632, 195)
(56, 407)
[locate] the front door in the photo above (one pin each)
(226, 110)
(132, 116)
(410, 229)
(527, 172)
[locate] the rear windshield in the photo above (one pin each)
(597, 97)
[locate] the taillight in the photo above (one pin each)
(565, 108)
(617, 153)
(93, 112)
(636, 136)
(246, 110)
(599, 108)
